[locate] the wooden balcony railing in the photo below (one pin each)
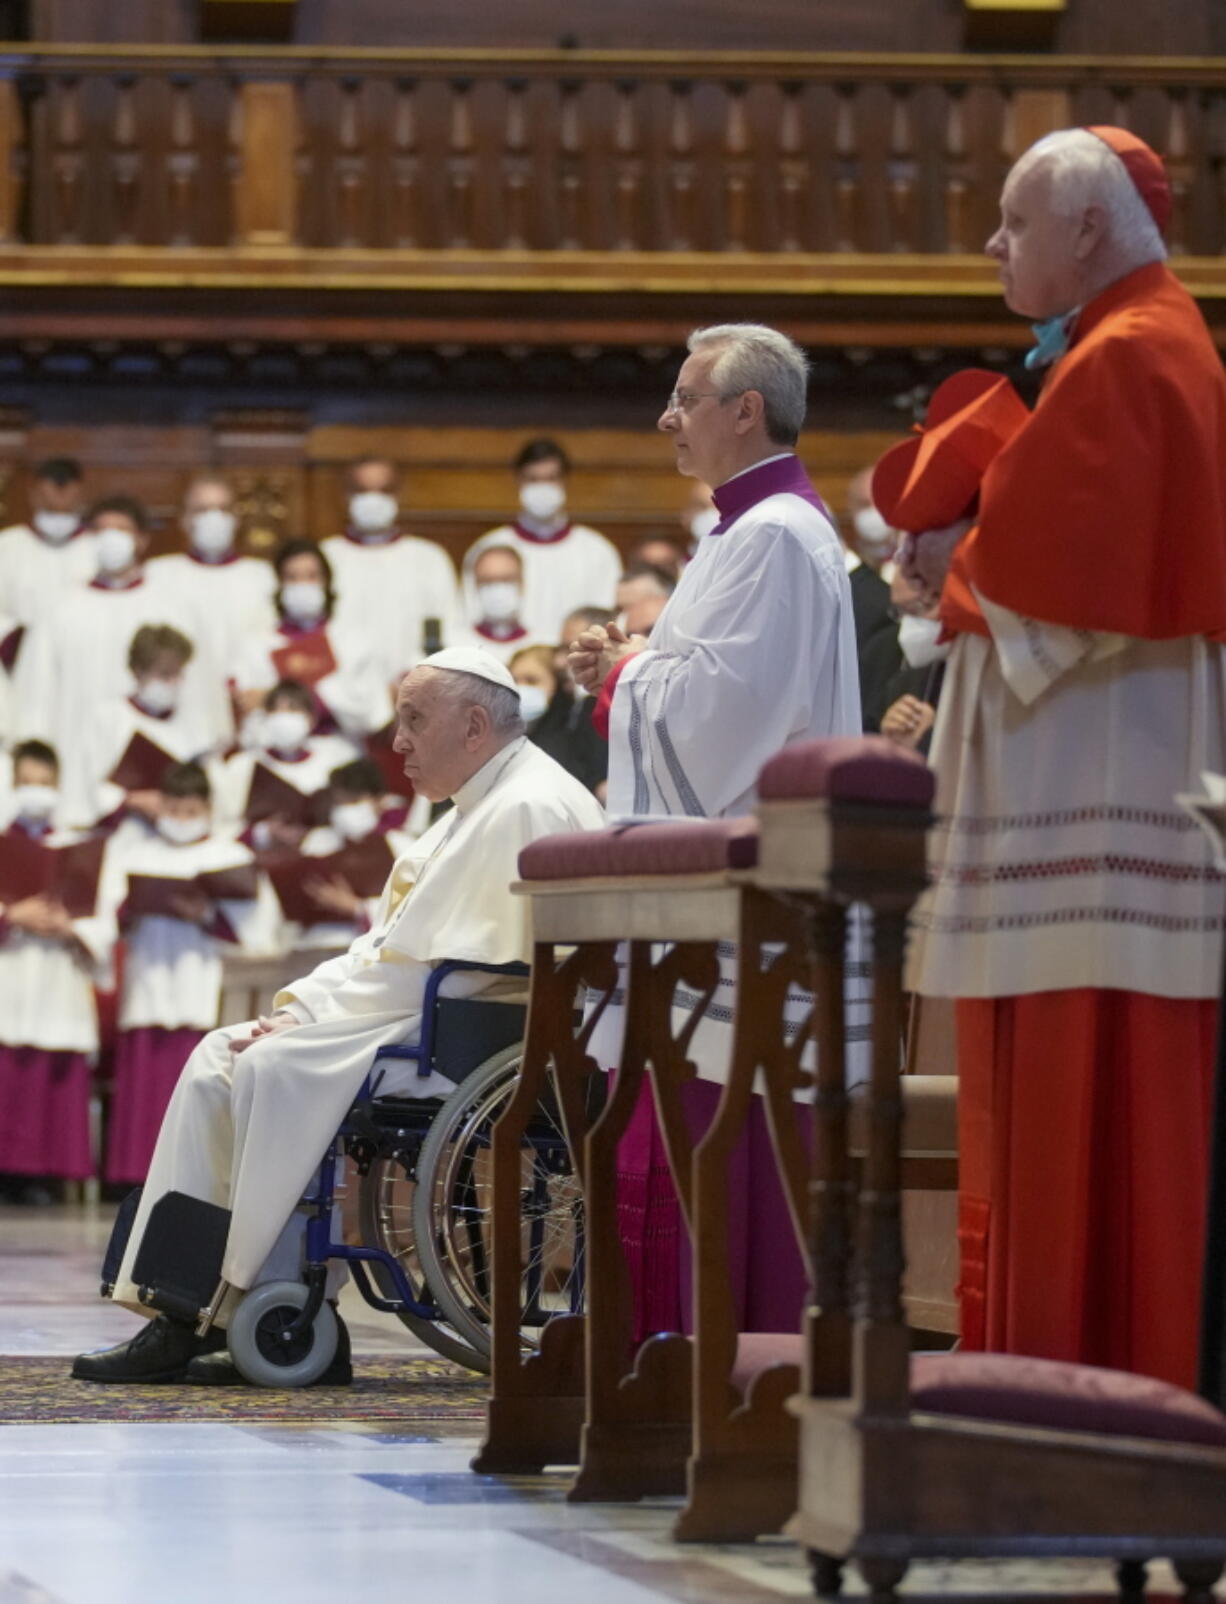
(593, 152)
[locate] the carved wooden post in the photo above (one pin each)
(793, 169)
(1031, 113)
(405, 163)
(182, 165)
(266, 203)
(10, 140)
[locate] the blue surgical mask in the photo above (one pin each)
(1052, 338)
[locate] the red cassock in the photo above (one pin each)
(1084, 1113)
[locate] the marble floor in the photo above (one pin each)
(233, 1514)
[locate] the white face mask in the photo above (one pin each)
(303, 600)
(918, 640)
(542, 499)
(158, 695)
(354, 820)
(56, 527)
(875, 536)
(116, 549)
(499, 601)
(181, 832)
(212, 531)
(286, 730)
(533, 703)
(373, 511)
(35, 801)
(702, 523)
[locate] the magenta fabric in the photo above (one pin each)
(44, 1113)
(767, 1274)
(148, 1063)
(1061, 1396)
(687, 847)
(784, 476)
(848, 768)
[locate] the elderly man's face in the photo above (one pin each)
(703, 428)
(439, 736)
(1040, 253)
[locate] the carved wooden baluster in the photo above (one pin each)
(1180, 170)
(957, 232)
(627, 197)
(182, 163)
(793, 168)
(405, 163)
(352, 167)
(847, 171)
(67, 162)
(460, 165)
(681, 166)
(515, 167)
(125, 162)
(738, 170)
(902, 174)
(570, 179)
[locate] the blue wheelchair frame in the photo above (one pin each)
(321, 1247)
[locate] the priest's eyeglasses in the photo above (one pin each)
(683, 400)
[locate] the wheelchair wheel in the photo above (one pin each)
(255, 1342)
(385, 1211)
(452, 1211)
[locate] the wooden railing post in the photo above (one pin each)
(266, 200)
(10, 136)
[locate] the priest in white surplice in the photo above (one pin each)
(755, 649)
(258, 1103)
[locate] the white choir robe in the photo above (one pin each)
(498, 641)
(35, 573)
(77, 656)
(104, 738)
(579, 569)
(356, 693)
(755, 649)
(387, 589)
(247, 1132)
(233, 600)
(307, 771)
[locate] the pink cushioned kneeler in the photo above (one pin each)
(691, 846)
(848, 768)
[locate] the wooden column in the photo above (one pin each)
(266, 202)
(1032, 113)
(10, 136)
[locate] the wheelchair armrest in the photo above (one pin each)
(398, 1050)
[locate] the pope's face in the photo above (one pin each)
(437, 735)
(1038, 251)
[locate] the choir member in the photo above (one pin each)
(566, 564)
(399, 589)
(51, 958)
(755, 649)
(1074, 916)
(43, 558)
(558, 721)
(172, 956)
(866, 535)
(341, 661)
(258, 1102)
(495, 620)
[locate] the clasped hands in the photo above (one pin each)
(925, 559)
(265, 1025)
(597, 652)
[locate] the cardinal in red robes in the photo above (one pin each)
(1074, 912)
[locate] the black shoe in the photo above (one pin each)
(160, 1351)
(219, 1370)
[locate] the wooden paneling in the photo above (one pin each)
(266, 211)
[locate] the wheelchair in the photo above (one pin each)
(424, 1210)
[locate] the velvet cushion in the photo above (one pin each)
(690, 846)
(848, 768)
(1062, 1397)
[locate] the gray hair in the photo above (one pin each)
(1084, 170)
(751, 356)
(473, 690)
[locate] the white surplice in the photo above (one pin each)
(580, 569)
(1060, 857)
(356, 692)
(307, 771)
(387, 589)
(247, 1132)
(89, 795)
(35, 573)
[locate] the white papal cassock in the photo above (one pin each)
(247, 1132)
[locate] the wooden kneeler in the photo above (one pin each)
(953, 1455)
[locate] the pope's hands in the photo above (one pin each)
(271, 1025)
(597, 652)
(925, 559)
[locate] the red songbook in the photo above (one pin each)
(238, 884)
(364, 865)
(69, 873)
(308, 659)
(156, 894)
(142, 765)
(271, 794)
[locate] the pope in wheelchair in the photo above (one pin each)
(258, 1103)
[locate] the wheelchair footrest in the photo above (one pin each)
(178, 1265)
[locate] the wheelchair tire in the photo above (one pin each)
(253, 1337)
(450, 1218)
(386, 1222)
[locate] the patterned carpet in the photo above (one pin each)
(408, 1392)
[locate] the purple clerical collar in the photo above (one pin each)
(777, 477)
